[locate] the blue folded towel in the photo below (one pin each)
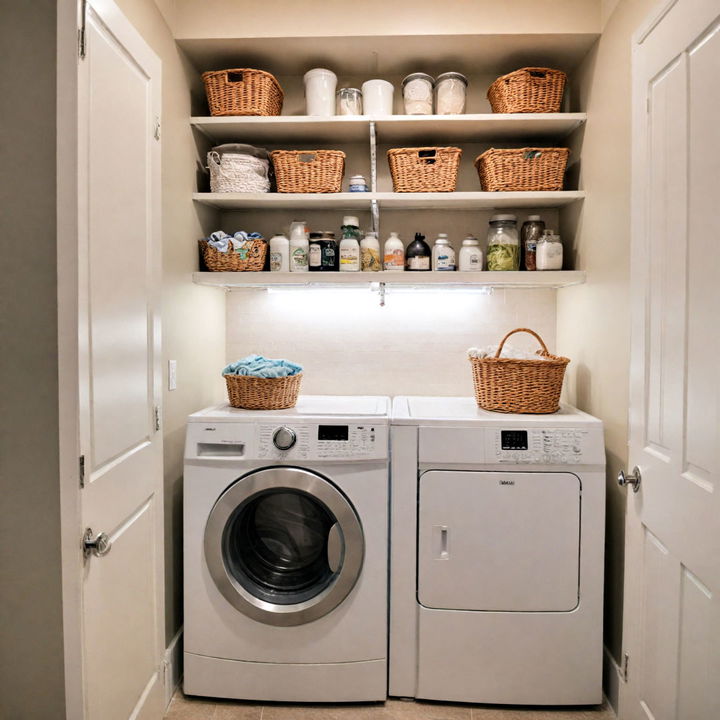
(259, 366)
(224, 243)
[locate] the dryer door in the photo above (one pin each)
(499, 541)
(284, 545)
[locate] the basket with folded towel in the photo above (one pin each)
(259, 383)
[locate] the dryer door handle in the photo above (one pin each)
(335, 548)
(440, 533)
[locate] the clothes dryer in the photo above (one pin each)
(496, 554)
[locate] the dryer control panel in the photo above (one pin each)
(542, 446)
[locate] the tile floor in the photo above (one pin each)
(191, 708)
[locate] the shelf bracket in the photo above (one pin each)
(381, 291)
(374, 208)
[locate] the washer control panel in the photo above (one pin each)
(322, 441)
(548, 446)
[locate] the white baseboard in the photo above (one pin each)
(172, 666)
(612, 677)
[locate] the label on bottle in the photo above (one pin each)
(419, 263)
(299, 259)
(445, 261)
(475, 261)
(315, 257)
(395, 259)
(349, 258)
(370, 259)
(276, 261)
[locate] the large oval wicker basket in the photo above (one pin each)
(255, 393)
(511, 385)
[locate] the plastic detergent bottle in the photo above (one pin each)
(394, 254)
(443, 255)
(349, 245)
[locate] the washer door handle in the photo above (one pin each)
(335, 548)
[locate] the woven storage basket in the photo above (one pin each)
(254, 393)
(242, 91)
(528, 90)
(238, 168)
(519, 386)
(538, 169)
(250, 259)
(308, 171)
(424, 169)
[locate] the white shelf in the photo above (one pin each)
(393, 129)
(390, 201)
(262, 280)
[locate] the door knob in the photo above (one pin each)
(98, 545)
(635, 479)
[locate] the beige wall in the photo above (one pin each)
(193, 317)
(593, 319)
(290, 18)
(31, 642)
(415, 345)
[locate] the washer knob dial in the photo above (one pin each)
(284, 438)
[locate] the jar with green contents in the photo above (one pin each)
(503, 243)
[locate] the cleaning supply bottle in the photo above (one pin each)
(279, 253)
(417, 255)
(394, 254)
(299, 247)
(443, 254)
(349, 245)
(370, 253)
(471, 256)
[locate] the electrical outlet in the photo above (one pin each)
(172, 374)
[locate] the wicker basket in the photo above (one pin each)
(528, 90)
(424, 169)
(250, 259)
(519, 386)
(308, 171)
(538, 169)
(255, 393)
(243, 91)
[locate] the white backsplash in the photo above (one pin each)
(415, 345)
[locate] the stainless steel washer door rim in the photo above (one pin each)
(346, 525)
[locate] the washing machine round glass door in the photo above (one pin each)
(284, 546)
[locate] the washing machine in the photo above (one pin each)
(286, 551)
(497, 533)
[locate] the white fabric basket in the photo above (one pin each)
(238, 170)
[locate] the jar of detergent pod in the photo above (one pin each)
(418, 94)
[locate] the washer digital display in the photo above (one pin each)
(514, 439)
(333, 432)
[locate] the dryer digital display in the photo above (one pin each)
(514, 439)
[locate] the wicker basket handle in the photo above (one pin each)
(235, 76)
(307, 157)
(517, 330)
(427, 157)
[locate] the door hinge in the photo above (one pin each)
(82, 35)
(81, 470)
(626, 662)
(156, 131)
(157, 417)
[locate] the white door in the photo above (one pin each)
(119, 356)
(672, 586)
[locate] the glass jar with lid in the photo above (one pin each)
(418, 94)
(450, 91)
(349, 102)
(503, 243)
(549, 251)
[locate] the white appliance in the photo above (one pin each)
(286, 551)
(496, 554)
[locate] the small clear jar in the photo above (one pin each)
(503, 243)
(549, 251)
(450, 92)
(418, 94)
(348, 102)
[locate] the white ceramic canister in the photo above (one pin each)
(450, 91)
(418, 94)
(279, 254)
(320, 87)
(377, 97)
